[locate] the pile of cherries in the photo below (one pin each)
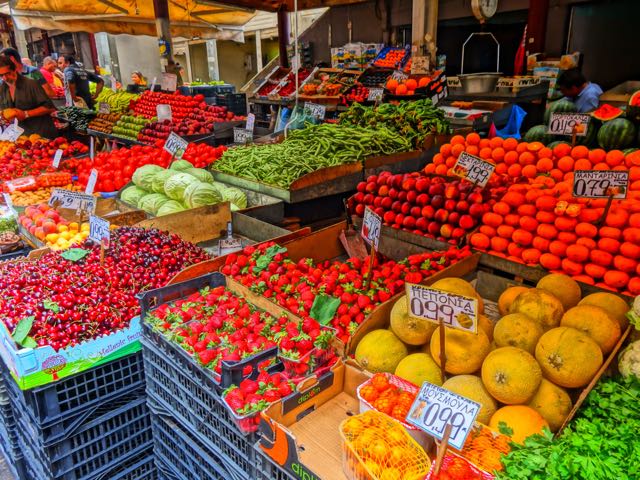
(73, 301)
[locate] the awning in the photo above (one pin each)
(189, 18)
(275, 5)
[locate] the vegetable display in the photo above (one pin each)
(310, 149)
(119, 102)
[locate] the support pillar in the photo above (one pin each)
(418, 22)
(536, 26)
(161, 10)
(258, 51)
(283, 37)
(21, 40)
(212, 59)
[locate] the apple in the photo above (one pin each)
(462, 206)
(422, 184)
(402, 196)
(406, 208)
(379, 211)
(446, 230)
(389, 217)
(408, 184)
(409, 222)
(454, 218)
(422, 224)
(415, 212)
(422, 199)
(466, 222)
(441, 215)
(437, 201)
(458, 233)
(386, 203)
(428, 212)
(411, 196)
(377, 202)
(476, 210)
(360, 210)
(396, 206)
(450, 205)
(436, 189)
(393, 193)
(434, 228)
(451, 192)
(383, 190)
(399, 219)
(368, 199)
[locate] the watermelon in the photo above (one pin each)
(627, 151)
(591, 136)
(606, 112)
(617, 134)
(538, 133)
(633, 108)
(561, 106)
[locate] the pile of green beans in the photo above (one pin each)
(307, 150)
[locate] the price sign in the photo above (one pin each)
(56, 158)
(455, 311)
(153, 84)
(176, 145)
(242, 136)
(420, 64)
(315, 110)
(474, 169)
(168, 81)
(91, 183)
(399, 75)
(163, 112)
(7, 200)
(435, 407)
(600, 183)
(251, 122)
(371, 228)
(12, 132)
(229, 245)
(375, 94)
(565, 123)
(104, 107)
(72, 200)
(99, 230)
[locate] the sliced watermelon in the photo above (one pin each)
(617, 134)
(633, 109)
(606, 112)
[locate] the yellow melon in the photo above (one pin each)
(380, 351)
(540, 305)
(418, 368)
(565, 288)
(613, 304)
(412, 331)
(464, 351)
(461, 287)
(486, 325)
(508, 296)
(523, 421)
(471, 387)
(595, 322)
(517, 330)
(553, 403)
(568, 357)
(511, 375)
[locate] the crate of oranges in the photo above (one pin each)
(393, 396)
(392, 57)
(457, 468)
(375, 447)
(484, 447)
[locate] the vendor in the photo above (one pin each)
(574, 85)
(28, 71)
(138, 79)
(76, 80)
(24, 99)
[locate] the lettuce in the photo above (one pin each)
(172, 206)
(200, 193)
(152, 202)
(180, 165)
(235, 196)
(175, 186)
(159, 179)
(201, 174)
(143, 176)
(132, 195)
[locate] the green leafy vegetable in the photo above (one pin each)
(22, 329)
(324, 308)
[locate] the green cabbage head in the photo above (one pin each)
(235, 196)
(201, 174)
(132, 195)
(143, 176)
(199, 194)
(152, 202)
(175, 186)
(171, 206)
(180, 165)
(159, 179)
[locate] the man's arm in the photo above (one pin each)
(40, 106)
(72, 90)
(98, 81)
(34, 112)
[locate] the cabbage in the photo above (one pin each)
(235, 196)
(201, 174)
(234, 207)
(159, 179)
(132, 195)
(180, 165)
(200, 193)
(175, 186)
(143, 176)
(151, 202)
(172, 206)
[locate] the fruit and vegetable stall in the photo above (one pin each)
(470, 313)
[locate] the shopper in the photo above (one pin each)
(27, 70)
(77, 80)
(48, 71)
(574, 85)
(138, 79)
(23, 98)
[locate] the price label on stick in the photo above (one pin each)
(474, 169)
(7, 200)
(399, 75)
(99, 230)
(92, 148)
(242, 136)
(104, 107)
(176, 145)
(91, 183)
(168, 81)
(435, 407)
(56, 158)
(600, 183)
(12, 133)
(315, 110)
(566, 123)
(71, 200)
(371, 228)
(375, 94)
(163, 112)
(229, 245)
(251, 122)
(455, 311)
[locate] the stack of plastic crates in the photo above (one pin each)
(8, 437)
(195, 435)
(93, 425)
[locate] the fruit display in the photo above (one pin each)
(129, 126)
(388, 394)
(39, 195)
(413, 120)
(119, 102)
(288, 86)
(406, 86)
(62, 300)
(79, 118)
(328, 83)
(104, 122)
(359, 93)
(307, 150)
(272, 82)
(390, 57)
(46, 224)
(159, 191)
(268, 271)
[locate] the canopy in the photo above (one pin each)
(189, 18)
(275, 5)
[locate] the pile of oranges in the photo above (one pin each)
(392, 58)
(407, 86)
(387, 398)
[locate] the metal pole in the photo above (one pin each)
(283, 36)
(163, 29)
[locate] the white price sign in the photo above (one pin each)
(371, 228)
(399, 75)
(600, 183)
(566, 123)
(7, 200)
(251, 122)
(474, 169)
(91, 183)
(315, 110)
(163, 112)
(176, 145)
(168, 81)
(56, 158)
(242, 136)
(104, 107)
(229, 245)
(99, 230)
(455, 311)
(72, 200)
(435, 407)
(12, 132)
(375, 94)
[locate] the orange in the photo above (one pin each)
(601, 166)
(614, 158)
(566, 163)
(457, 149)
(544, 164)
(510, 157)
(445, 149)
(485, 143)
(472, 149)
(496, 142)
(597, 155)
(579, 151)
(545, 152)
(451, 161)
(401, 90)
(535, 146)
(473, 139)
(501, 208)
(498, 154)
(530, 171)
(562, 150)
(556, 174)
(457, 139)
(522, 147)
(514, 170)
(485, 153)
(582, 164)
(501, 168)
(438, 159)
(392, 84)
(527, 158)
(411, 84)
(430, 168)
(510, 144)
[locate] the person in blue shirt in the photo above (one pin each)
(575, 87)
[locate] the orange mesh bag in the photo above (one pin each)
(484, 447)
(375, 447)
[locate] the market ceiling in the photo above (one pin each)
(275, 5)
(189, 18)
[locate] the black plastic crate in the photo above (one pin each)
(267, 470)
(179, 455)
(98, 449)
(56, 406)
(235, 102)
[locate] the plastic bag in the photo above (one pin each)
(512, 128)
